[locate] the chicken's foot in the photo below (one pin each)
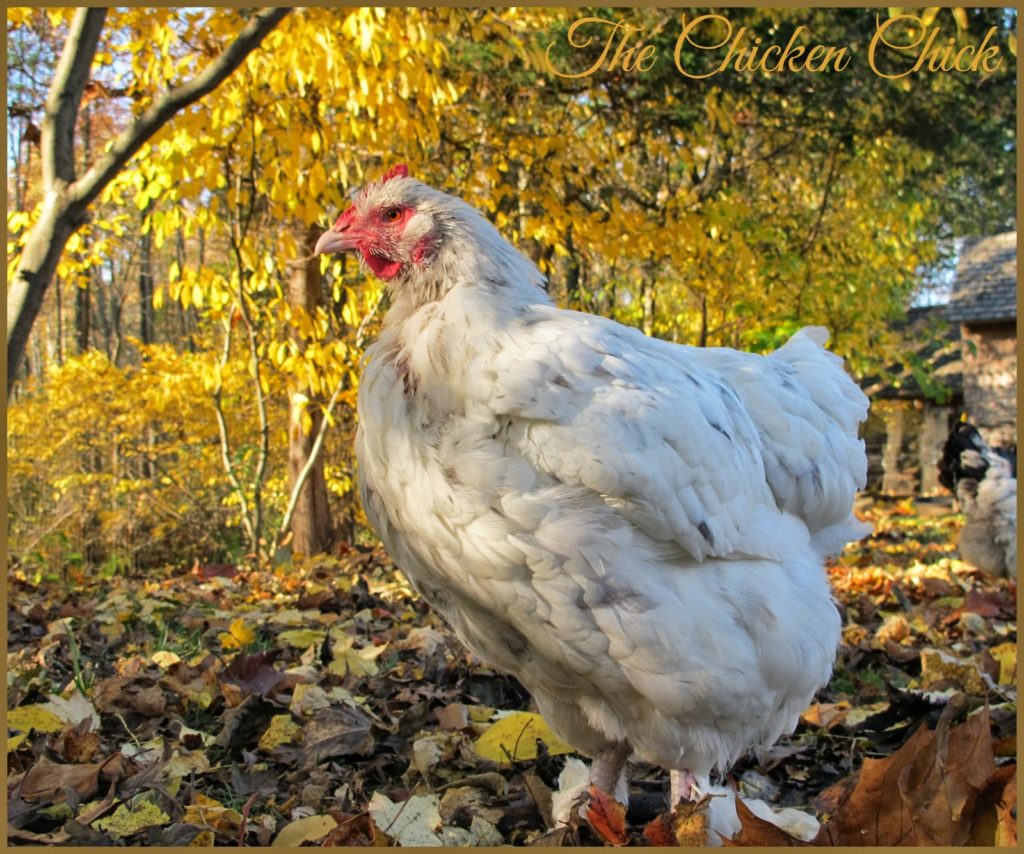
(608, 771)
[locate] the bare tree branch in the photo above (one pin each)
(107, 167)
(66, 199)
(69, 79)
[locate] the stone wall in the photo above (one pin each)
(990, 379)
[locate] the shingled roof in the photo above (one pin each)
(985, 289)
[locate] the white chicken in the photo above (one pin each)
(635, 529)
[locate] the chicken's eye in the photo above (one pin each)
(393, 214)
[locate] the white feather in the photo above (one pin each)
(635, 529)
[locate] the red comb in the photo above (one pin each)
(399, 171)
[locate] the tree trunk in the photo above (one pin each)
(58, 293)
(648, 297)
(83, 319)
(311, 522)
(146, 282)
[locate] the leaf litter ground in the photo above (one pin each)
(321, 703)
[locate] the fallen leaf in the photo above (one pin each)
(127, 820)
(424, 640)
(757, 831)
(995, 821)
(606, 816)
(209, 812)
(77, 743)
(352, 830)
(34, 717)
(312, 828)
(660, 833)
(453, 716)
(942, 783)
(1006, 655)
(938, 666)
(515, 736)
(46, 781)
(826, 715)
(121, 695)
(350, 660)
(988, 603)
(414, 822)
(254, 675)
(336, 731)
(239, 634)
(282, 730)
(480, 833)
(302, 638)
(165, 658)
(923, 794)
(690, 823)
(73, 709)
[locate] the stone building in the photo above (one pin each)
(907, 426)
(970, 346)
(984, 304)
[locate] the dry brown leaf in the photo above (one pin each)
(942, 783)
(994, 816)
(660, 833)
(46, 781)
(870, 811)
(924, 794)
(77, 744)
(336, 731)
(453, 716)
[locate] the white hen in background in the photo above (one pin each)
(635, 529)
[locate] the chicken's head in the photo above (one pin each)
(390, 223)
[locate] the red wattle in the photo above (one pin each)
(382, 268)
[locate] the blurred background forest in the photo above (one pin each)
(187, 391)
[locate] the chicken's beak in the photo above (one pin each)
(333, 241)
(339, 237)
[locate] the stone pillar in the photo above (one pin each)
(933, 437)
(892, 479)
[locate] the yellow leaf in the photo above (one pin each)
(312, 828)
(1006, 655)
(125, 821)
(515, 737)
(206, 811)
(25, 718)
(165, 658)
(929, 15)
(359, 662)
(960, 14)
(301, 638)
(281, 730)
(238, 635)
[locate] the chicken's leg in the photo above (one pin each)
(608, 771)
(683, 786)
